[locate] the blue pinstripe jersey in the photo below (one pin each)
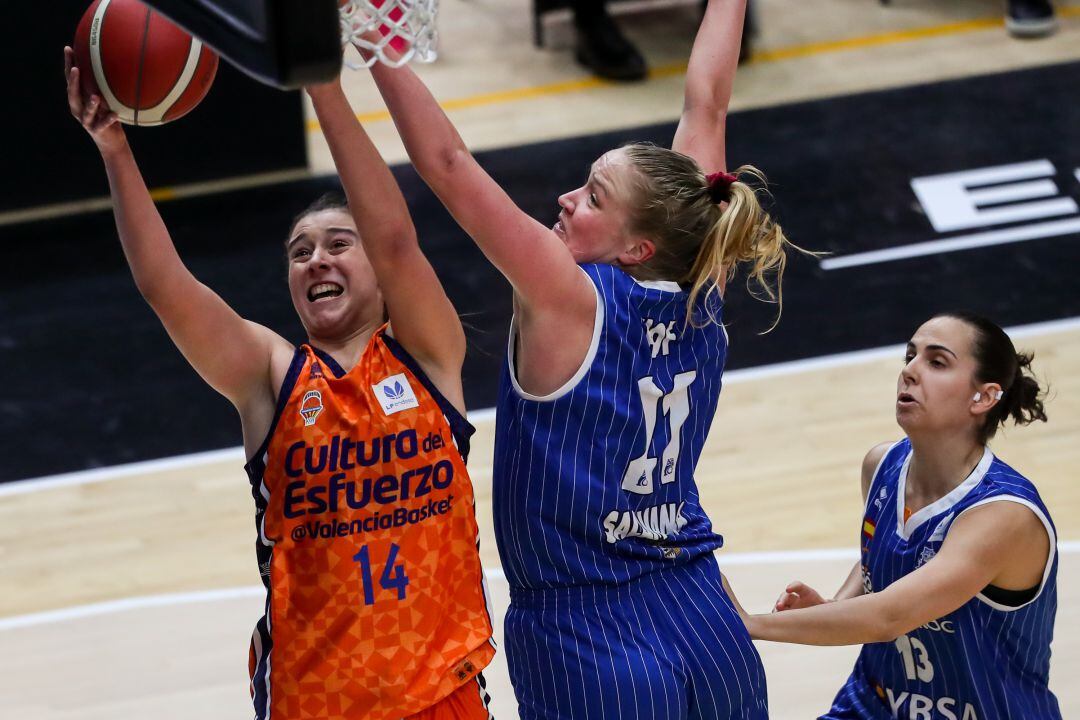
(984, 661)
(595, 483)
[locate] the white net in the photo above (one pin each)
(390, 31)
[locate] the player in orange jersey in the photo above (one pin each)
(375, 603)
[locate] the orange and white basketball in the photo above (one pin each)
(147, 70)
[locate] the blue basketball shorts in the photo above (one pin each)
(666, 646)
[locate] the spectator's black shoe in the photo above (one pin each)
(1030, 18)
(602, 48)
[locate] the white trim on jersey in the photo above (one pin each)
(664, 285)
(1049, 557)
(594, 344)
(942, 504)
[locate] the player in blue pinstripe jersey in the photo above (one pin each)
(610, 386)
(955, 592)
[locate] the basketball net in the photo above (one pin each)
(403, 29)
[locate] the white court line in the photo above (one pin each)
(733, 377)
(1024, 233)
(79, 612)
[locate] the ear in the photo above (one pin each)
(988, 396)
(640, 252)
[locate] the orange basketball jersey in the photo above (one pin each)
(367, 543)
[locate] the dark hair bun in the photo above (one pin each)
(1025, 405)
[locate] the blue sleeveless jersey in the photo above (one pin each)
(985, 661)
(595, 483)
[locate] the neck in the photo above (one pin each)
(346, 350)
(940, 462)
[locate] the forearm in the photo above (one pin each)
(852, 622)
(853, 585)
(147, 246)
(710, 74)
(433, 144)
(377, 205)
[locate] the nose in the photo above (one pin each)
(319, 259)
(566, 201)
(909, 373)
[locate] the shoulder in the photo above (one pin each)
(871, 462)
(608, 280)
(1006, 495)
(1014, 520)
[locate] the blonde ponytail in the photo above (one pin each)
(703, 232)
(743, 234)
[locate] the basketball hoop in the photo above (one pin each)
(390, 31)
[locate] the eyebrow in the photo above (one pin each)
(935, 347)
(595, 179)
(303, 235)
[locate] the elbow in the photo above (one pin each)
(150, 287)
(443, 164)
(706, 105)
(890, 625)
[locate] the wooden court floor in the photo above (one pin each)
(152, 581)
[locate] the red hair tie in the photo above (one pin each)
(720, 186)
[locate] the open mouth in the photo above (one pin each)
(324, 291)
(905, 399)
(558, 229)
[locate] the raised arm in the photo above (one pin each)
(422, 318)
(709, 79)
(531, 256)
(230, 353)
(983, 544)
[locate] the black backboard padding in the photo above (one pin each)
(285, 43)
(242, 127)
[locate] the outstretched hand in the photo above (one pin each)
(93, 114)
(798, 595)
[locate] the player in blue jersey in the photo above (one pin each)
(955, 593)
(611, 382)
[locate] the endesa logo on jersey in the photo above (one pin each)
(395, 394)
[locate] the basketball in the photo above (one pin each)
(147, 69)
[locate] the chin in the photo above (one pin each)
(906, 420)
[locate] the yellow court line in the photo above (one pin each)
(761, 56)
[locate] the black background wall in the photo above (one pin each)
(242, 127)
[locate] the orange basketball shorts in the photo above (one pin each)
(468, 702)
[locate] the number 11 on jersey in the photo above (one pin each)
(638, 477)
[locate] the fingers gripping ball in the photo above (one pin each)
(147, 69)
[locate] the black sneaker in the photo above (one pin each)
(1030, 18)
(602, 48)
